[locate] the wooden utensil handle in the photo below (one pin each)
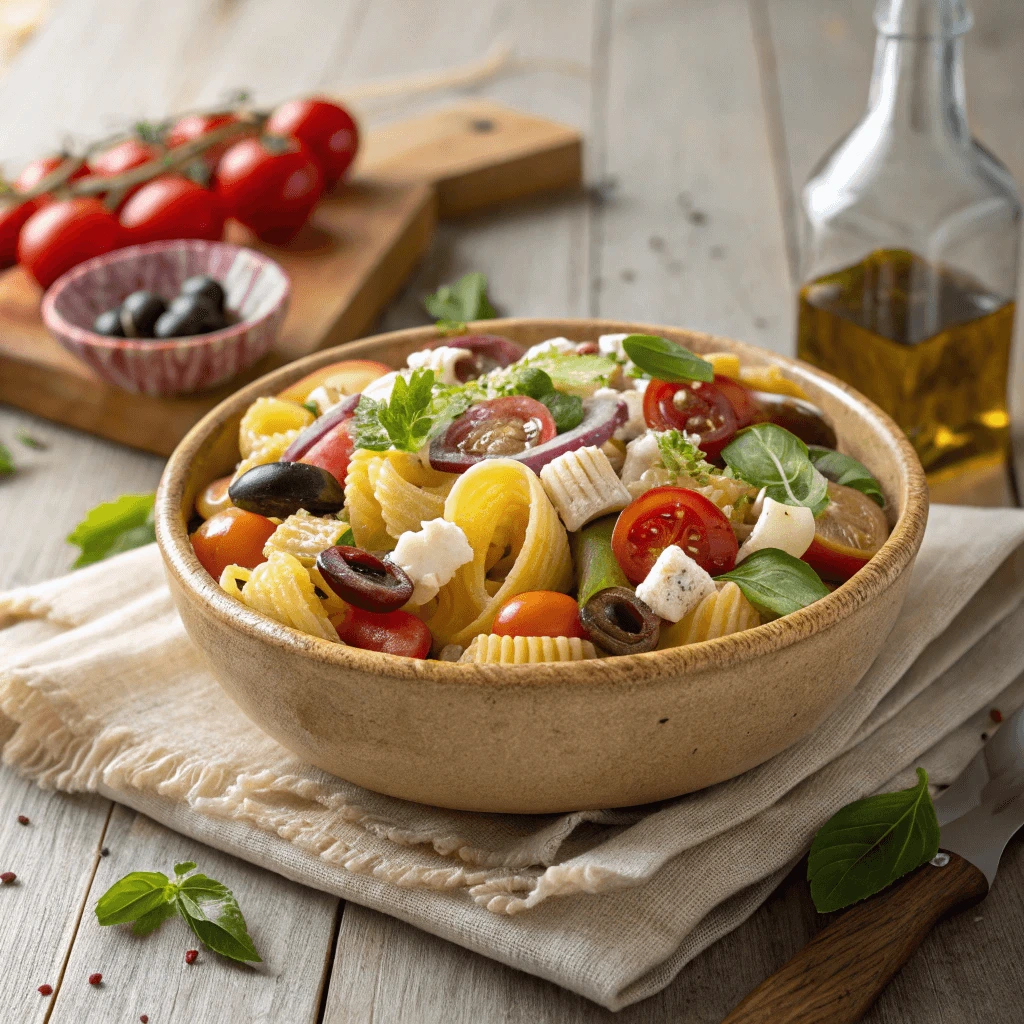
(842, 970)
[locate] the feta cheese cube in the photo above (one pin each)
(559, 346)
(430, 556)
(675, 585)
(442, 360)
(611, 345)
(787, 527)
(642, 454)
(635, 423)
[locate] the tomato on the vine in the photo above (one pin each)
(231, 537)
(673, 515)
(125, 156)
(64, 233)
(13, 215)
(326, 129)
(397, 632)
(539, 613)
(271, 185)
(33, 173)
(195, 126)
(172, 206)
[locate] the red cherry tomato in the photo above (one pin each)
(388, 632)
(33, 173)
(63, 234)
(195, 126)
(332, 452)
(539, 613)
(714, 411)
(850, 530)
(326, 129)
(13, 216)
(672, 515)
(271, 185)
(122, 157)
(231, 537)
(172, 206)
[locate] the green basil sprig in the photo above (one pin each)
(776, 583)
(769, 456)
(846, 470)
(452, 305)
(148, 898)
(113, 527)
(870, 843)
(665, 360)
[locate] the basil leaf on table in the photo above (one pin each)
(455, 304)
(776, 583)
(212, 912)
(133, 897)
(769, 456)
(870, 843)
(148, 923)
(665, 360)
(113, 527)
(6, 461)
(846, 470)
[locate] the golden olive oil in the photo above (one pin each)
(930, 345)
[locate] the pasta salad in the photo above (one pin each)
(571, 501)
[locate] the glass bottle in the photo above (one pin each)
(910, 245)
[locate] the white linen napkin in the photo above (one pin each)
(101, 690)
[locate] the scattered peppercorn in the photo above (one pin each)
(996, 715)
(104, 852)
(191, 956)
(46, 990)
(7, 877)
(23, 819)
(95, 979)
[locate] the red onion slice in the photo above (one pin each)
(490, 351)
(322, 425)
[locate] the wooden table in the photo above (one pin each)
(702, 119)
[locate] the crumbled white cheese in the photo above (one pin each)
(442, 360)
(324, 397)
(380, 389)
(635, 423)
(787, 527)
(640, 383)
(430, 556)
(642, 454)
(675, 585)
(559, 346)
(611, 345)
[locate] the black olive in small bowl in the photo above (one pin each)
(139, 313)
(187, 315)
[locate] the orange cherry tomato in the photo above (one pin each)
(539, 613)
(348, 377)
(388, 632)
(332, 452)
(214, 498)
(850, 530)
(231, 537)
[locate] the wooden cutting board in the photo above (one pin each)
(345, 267)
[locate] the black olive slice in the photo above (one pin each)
(361, 578)
(620, 623)
(281, 488)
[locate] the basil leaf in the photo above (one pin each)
(531, 381)
(776, 583)
(348, 538)
(6, 461)
(566, 410)
(148, 923)
(185, 867)
(846, 470)
(133, 897)
(212, 912)
(870, 843)
(766, 455)
(113, 527)
(665, 360)
(460, 302)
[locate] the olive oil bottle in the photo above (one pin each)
(910, 246)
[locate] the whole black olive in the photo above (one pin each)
(281, 488)
(363, 579)
(207, 289)
(187, 315)
(109, 323)
(802, 418)
(139, 314)
(620, 623)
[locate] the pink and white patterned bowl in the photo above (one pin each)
(257, 293)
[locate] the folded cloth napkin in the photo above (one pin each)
(101, 690)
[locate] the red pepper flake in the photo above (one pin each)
(46, 990)
(95, 979)
(23, 819)
(191, 956)
(7, 877)
(996, 715)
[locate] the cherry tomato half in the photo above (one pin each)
(172, 206)
(539, 613)
(714, 411)
(33, 173)
(231, 537)
(326, 129)
(388, 632)
(271, 185)
(850, 530)
(333, 452)
(195, 126)
(672, 515)
(13, 216)
(63, 234)
(348, 377)
(502, 426)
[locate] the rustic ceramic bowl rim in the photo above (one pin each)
(56, 323)
(883, 569)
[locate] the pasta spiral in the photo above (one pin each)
(267, 417)
(719, 614)
(518, 544)
(490, 649)
(304, 536)
(271, 449)
(770, 378)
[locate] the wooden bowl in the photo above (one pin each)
(543, 738)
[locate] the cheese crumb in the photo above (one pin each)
(560, 346)
(675, 585)
(789, 528)
(430, 556)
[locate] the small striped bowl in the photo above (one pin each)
(257, 293)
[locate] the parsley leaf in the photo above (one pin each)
(452, 305)
(681, 456)
(776, 583)
(29, 441)
(6, 461)
(113, 527)
(404, 421)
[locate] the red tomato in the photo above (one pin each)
(349, 377)
(172, 206)
(484, 425)
(122, 157)
(12, 218)
(672, 515)
(63, 234)
(34, 172)
(388, 632)
(539, 613)
(850, 530)
(195, 126)
(231, 537)
(714, 411)
(326, 129)
(332, 452)
(214, 498)
(271, 185)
